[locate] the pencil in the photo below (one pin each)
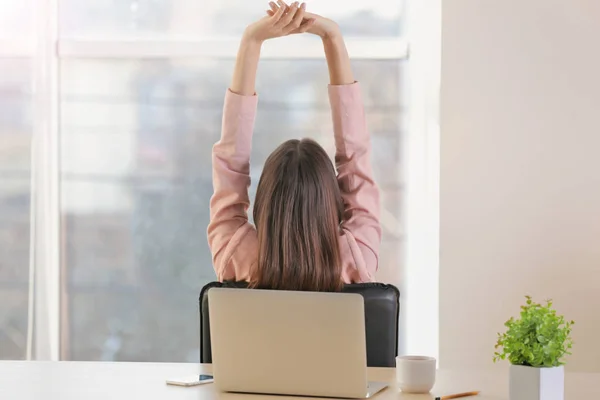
(457, 395)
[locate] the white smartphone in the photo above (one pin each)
(191, 380)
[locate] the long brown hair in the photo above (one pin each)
(297, 212)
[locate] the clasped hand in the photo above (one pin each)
(283, 20)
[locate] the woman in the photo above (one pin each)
(314, 230)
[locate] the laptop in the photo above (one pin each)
(289, 343)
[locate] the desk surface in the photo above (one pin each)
(102, 380)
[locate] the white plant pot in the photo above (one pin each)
(529, 383)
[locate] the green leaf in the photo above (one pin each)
(539, 338)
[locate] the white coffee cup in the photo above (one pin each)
(415, 374)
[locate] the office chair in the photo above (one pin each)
(382, 310)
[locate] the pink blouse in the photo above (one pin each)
(233, 240)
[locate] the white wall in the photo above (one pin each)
(520, 171)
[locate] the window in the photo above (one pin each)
(15, 192)
(15, 175)
(127, 103)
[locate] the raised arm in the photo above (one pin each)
(231, 238)
(231, 167)
(361, 226)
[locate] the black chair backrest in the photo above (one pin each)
(382, 309)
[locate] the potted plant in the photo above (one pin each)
(535, 344)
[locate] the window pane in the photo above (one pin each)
(172, 18)
(15, 149)
(16, 18)
(136, 182)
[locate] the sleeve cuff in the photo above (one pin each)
(347, 108)
(244, 105)
(239, 113)
(345, 96)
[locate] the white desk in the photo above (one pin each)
(20, 380)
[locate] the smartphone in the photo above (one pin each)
(191, 380)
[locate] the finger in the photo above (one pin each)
(283, 4)
(305, 25)
(297, 20)
(273, 9)
(288, 17)
(279, 13)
